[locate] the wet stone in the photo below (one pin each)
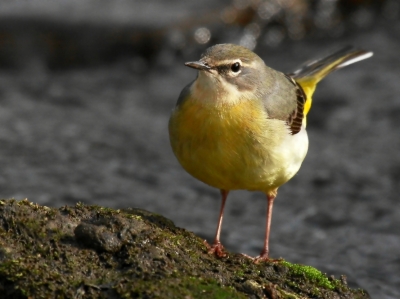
(128, 253)
(252, 287)
(97, 237)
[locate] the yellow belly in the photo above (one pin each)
(232, 147)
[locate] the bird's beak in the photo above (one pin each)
(198, 65)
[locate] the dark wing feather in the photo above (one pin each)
(295, 119)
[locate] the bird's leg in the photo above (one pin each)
(264, 255)
(217, 247)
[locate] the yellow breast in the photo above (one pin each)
(229, 146)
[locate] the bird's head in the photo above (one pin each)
(230, 71)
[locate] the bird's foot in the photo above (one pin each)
(262, 258)
(259, 259)
(217, 249)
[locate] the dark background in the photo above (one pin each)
(86, 90)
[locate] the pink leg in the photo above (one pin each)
(264, 255)
(217, 247)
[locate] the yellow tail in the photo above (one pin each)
(311, 73)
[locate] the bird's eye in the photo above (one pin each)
(235, 67)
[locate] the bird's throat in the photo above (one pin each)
(211, 89)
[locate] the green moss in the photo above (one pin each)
(310, 273)
(189, 287)
(239, 273)
(79, 204)
(286, 295)
(40, 254)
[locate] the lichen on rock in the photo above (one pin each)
(95, 252)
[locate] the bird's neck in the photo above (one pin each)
(211, 90)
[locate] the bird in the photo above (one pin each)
(241, 125)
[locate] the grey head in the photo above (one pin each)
(233, 64)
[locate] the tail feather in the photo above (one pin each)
(312, 72)
(318, 69)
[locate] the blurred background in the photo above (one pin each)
(87, 87)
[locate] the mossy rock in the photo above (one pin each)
(94, 252)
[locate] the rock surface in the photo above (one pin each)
(95, 252)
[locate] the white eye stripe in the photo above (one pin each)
(229, 62)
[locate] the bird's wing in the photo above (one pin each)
(305, 79)
(295, 119)
(284, 99)
(312, 72)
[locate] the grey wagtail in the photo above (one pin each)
(242, 125)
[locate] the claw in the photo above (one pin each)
(216, 249)
(262, 258)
